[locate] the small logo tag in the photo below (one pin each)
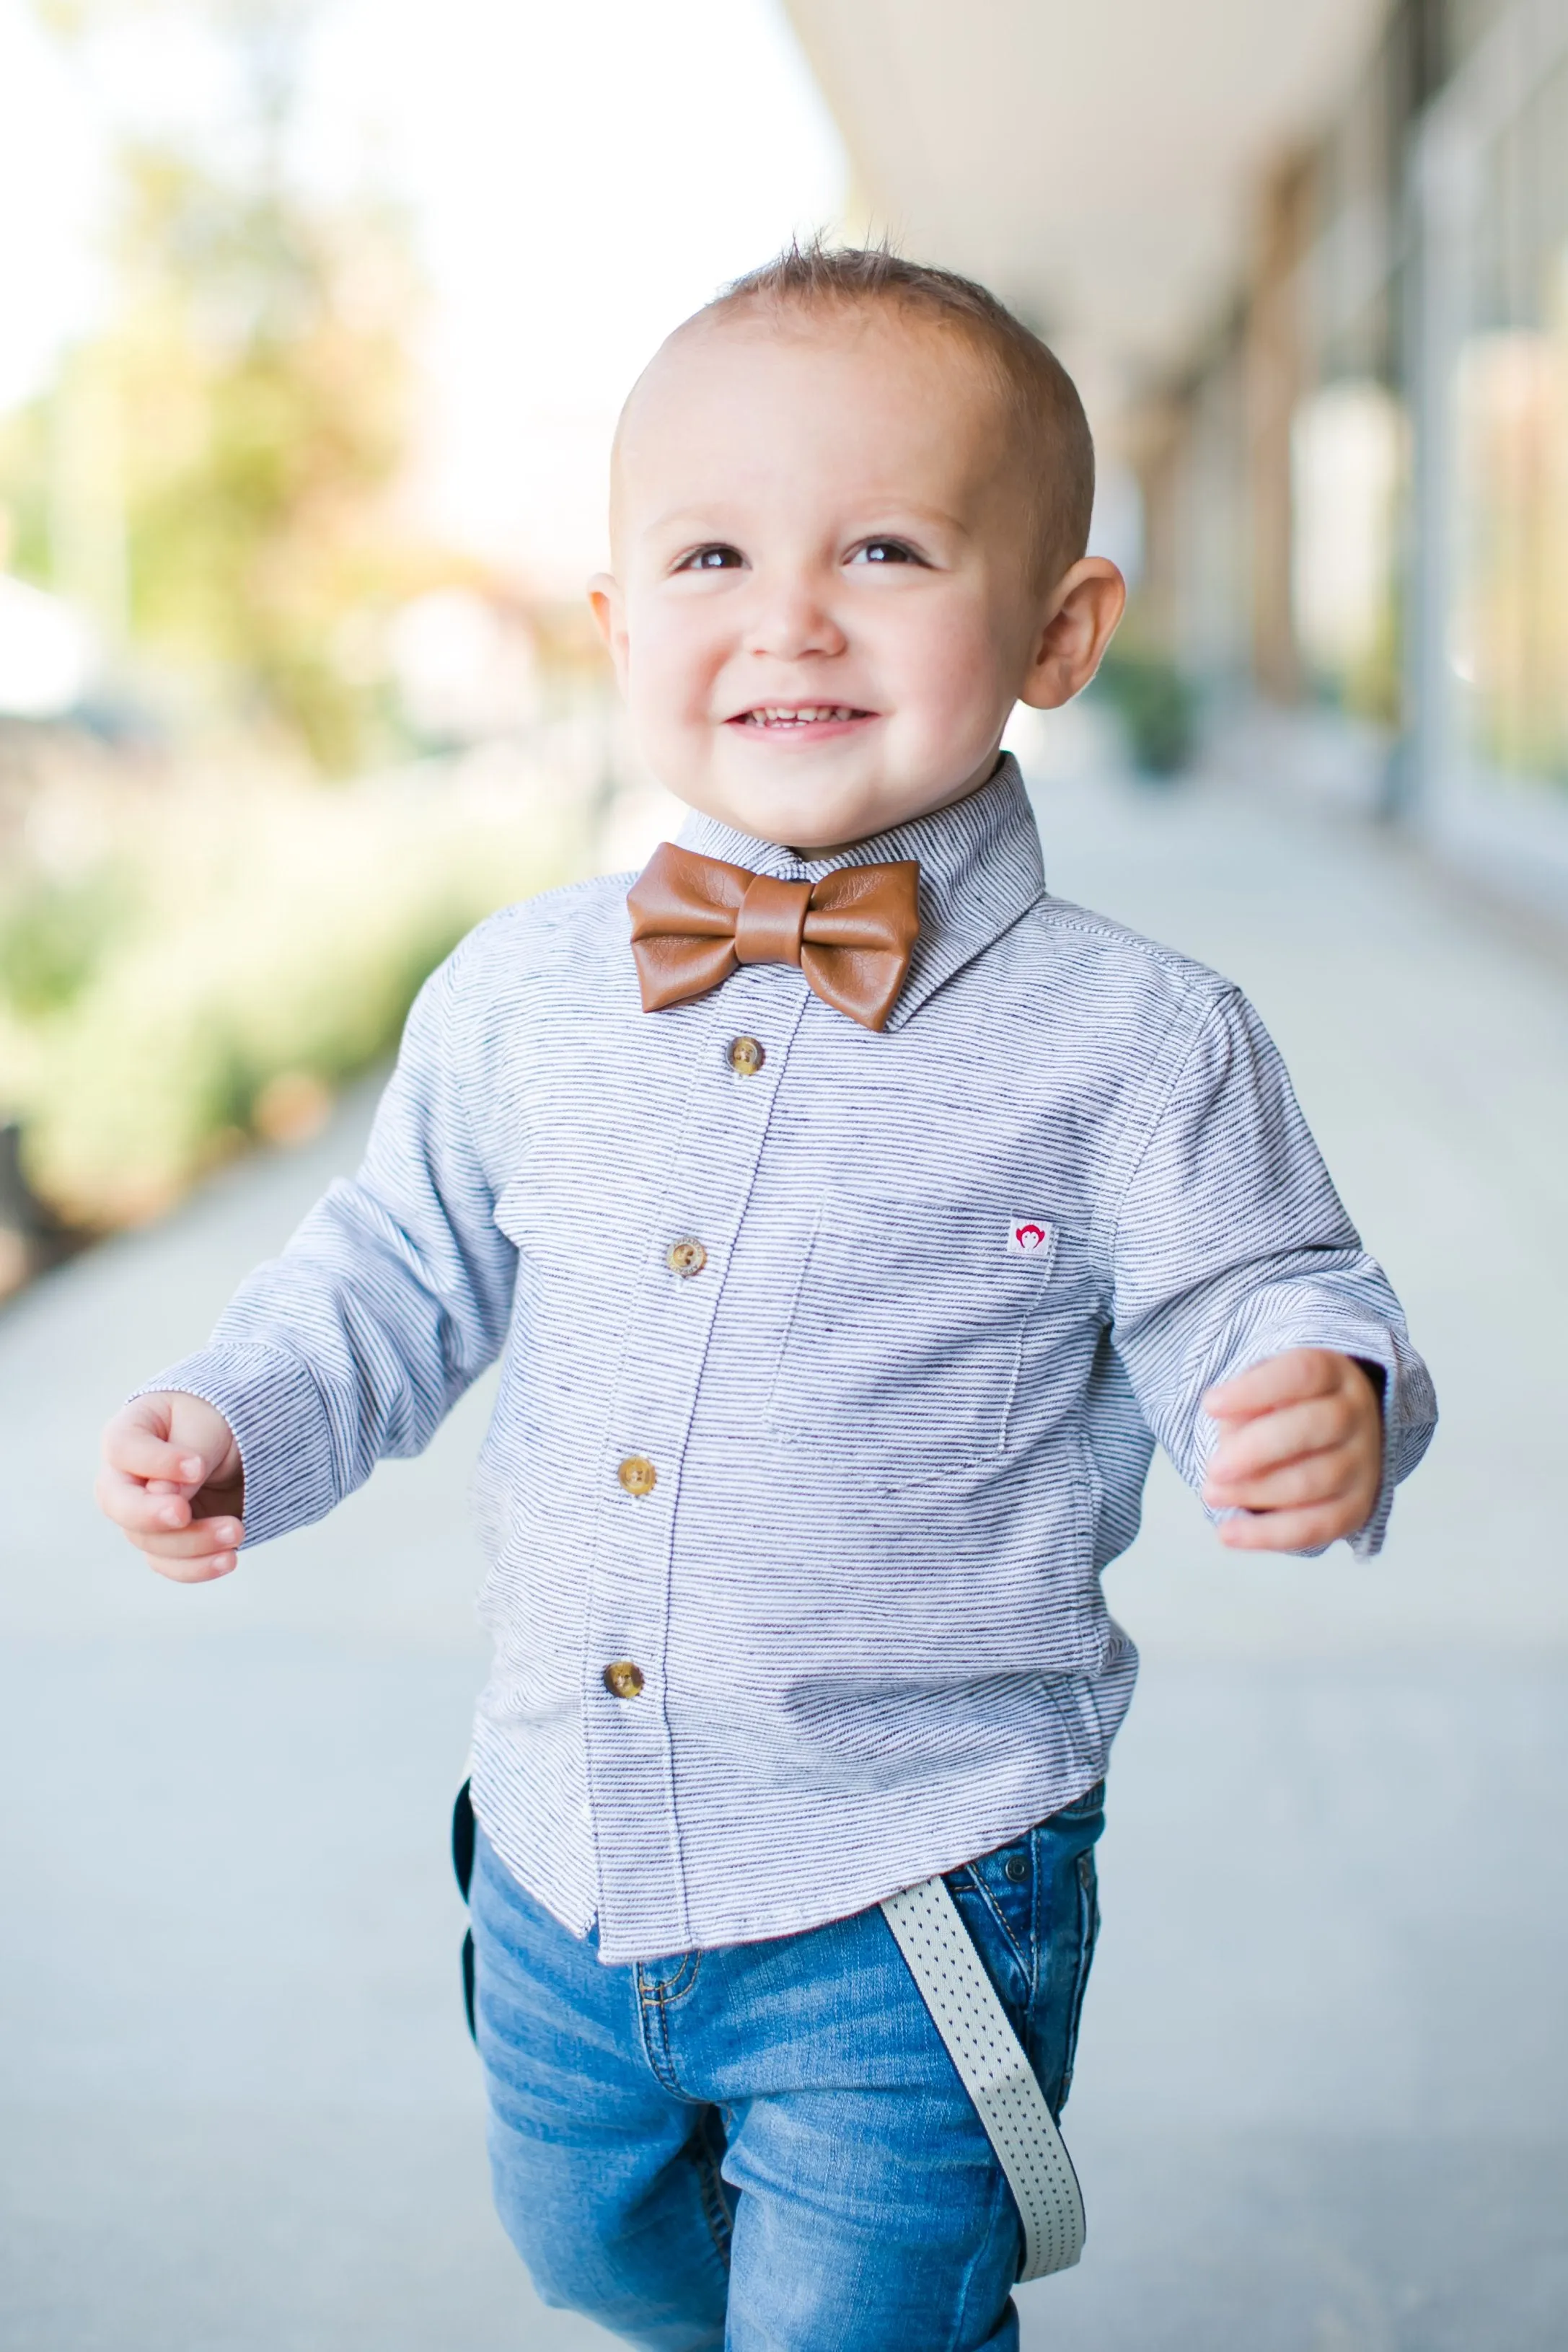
(1025, 1236)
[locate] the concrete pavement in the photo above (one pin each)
(1321, 2091)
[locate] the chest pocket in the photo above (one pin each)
(902, 1349)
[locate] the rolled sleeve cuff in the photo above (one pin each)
(1409, 1417)
(1409, 1402)
(280, 1426)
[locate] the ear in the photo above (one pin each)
(1085, 606)
(610, 612)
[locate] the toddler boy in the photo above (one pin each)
(852, 1221)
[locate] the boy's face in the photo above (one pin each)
(825, 599)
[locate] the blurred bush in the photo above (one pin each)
(199, 939)
(1156, 705)
(212, 476)
(53, 936)
(220, 961)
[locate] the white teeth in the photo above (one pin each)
(806, 715)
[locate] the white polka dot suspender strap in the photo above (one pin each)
(995, 2072)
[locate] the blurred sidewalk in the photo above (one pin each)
(1323, 2080)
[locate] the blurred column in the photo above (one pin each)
(1488, 345)
(1442, 205)
(1274, 377)
(1157, 436)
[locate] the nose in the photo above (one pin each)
(792, 620)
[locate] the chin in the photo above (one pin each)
(806, 815)
(810, 825)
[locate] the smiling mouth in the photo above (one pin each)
(782, 718)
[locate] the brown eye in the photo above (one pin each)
(711, 558)
(885, 551)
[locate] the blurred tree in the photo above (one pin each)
(211, 475)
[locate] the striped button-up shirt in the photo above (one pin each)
(830, 1379)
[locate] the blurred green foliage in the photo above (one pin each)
(53, 937)
(262, 397)
(226, 941)
(211, 473)
(1156, 705)
(198, 941)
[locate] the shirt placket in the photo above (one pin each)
(740, 1056)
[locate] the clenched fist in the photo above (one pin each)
(1299, 1458)
(171, 1479)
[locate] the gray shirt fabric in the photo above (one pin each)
(959, 1278)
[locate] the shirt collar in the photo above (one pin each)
(980, 869)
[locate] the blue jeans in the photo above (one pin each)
(766, 2146)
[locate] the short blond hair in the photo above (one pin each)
(1053, 432)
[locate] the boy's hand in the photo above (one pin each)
(171, 1479)
(1300, 1451)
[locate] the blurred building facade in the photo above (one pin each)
(1378, 427)
(1311, 265)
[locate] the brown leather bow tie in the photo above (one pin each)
(694, 918)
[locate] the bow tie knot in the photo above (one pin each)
(770, 921)
(696, 918)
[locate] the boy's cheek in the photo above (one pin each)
(939, 666)
(673, 737)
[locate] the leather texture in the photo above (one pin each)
(696, 919)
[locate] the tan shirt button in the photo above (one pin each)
(746, 1056)
(622, 1679)
(637, 1474)
(686, 1257)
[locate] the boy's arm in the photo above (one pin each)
(1227, 1250)
(394, 1295)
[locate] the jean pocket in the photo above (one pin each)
(1001, 1930)
(1088, 1936)
(1068, 1928)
